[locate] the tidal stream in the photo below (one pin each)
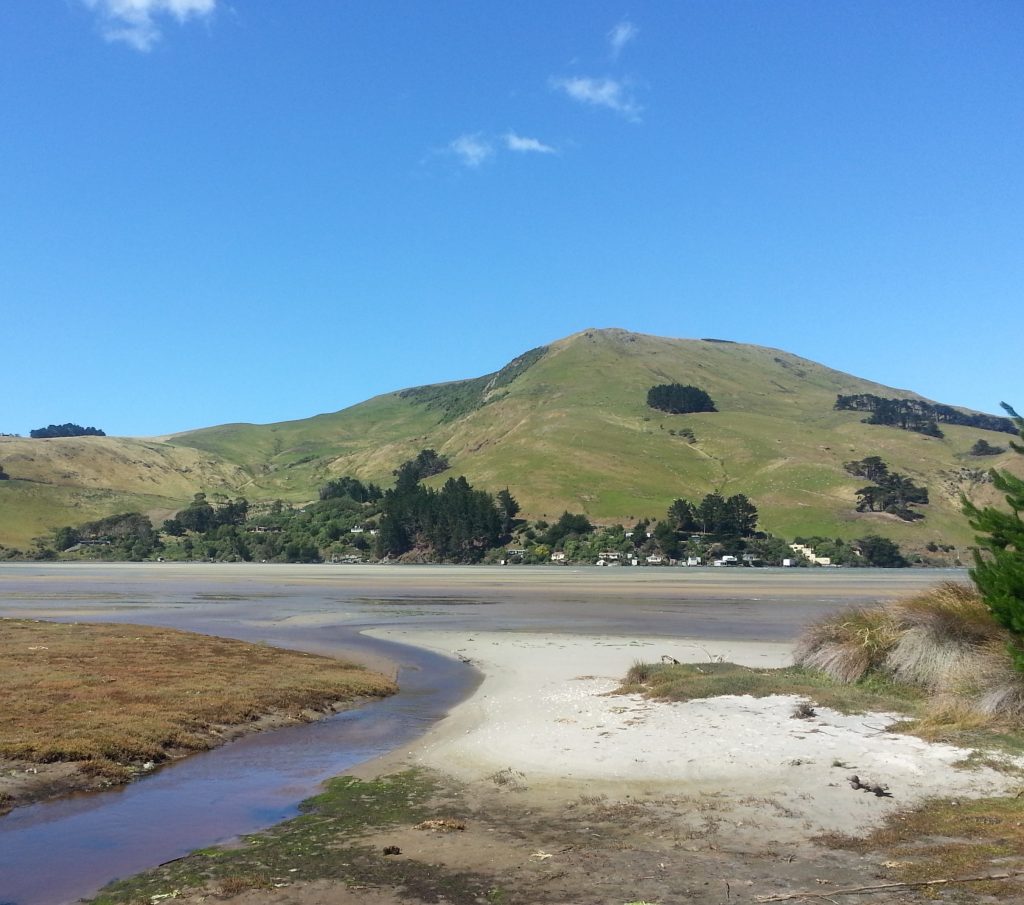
(58, 852)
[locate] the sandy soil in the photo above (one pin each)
(547, 716)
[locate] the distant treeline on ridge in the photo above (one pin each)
(917, 415)
(65, 430)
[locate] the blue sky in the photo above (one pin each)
(256, 210)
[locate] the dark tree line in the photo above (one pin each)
(917, 415)
(715, 515)
(65, 430)
(677, 399)
(352, 488)
(453, 524)
(890, 492)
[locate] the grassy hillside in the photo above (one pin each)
(567, 427)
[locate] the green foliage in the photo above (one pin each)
(999, 562)
(871, 550)
(917, 415)
(352, 488)
(569, 524)
(66, 537)
(508, 508)
(127, 535)
(65, 430)
(880, 552)
(891, 492)
(426, 464)
(454, 524)
(677, 399)
(984, 448)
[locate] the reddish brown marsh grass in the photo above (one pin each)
(115, 695)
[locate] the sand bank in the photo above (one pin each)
(544, 719)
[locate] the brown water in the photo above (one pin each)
(57, 852)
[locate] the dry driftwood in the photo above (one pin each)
(882, 887)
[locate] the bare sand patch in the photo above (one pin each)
(546, 719)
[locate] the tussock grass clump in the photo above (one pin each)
(943, 642)
(849, 645)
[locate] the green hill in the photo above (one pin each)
(565, 426)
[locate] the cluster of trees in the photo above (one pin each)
(917, 415)
(351, 488)
(65, 430)
(200, 516)
(677, 399)
(889, 491)
(426, 464)
(716, 516)
(453, 524)
(127, 535)
(984, 448)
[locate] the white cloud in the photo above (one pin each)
(520, 143)
(135, 21)
(624, 32)
(601, 93)
(471, 149)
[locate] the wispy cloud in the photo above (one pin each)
(471, 149)
(527, 145)
(135, 22)
(607, 93)
(621, 35)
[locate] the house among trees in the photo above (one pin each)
(808, 553)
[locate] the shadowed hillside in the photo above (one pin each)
(566, 426)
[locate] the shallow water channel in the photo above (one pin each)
(60, 851)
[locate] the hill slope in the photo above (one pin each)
(564, 427)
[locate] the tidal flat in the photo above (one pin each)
(465, 621)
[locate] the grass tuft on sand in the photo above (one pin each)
(111, 697)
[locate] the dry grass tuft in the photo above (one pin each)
(944, 642)
(849, 645)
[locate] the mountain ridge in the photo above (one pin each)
(565, 426)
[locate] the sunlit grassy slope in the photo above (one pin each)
(567, 427)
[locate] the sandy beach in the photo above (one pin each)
(547, 718)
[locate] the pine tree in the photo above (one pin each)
(999, 562)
